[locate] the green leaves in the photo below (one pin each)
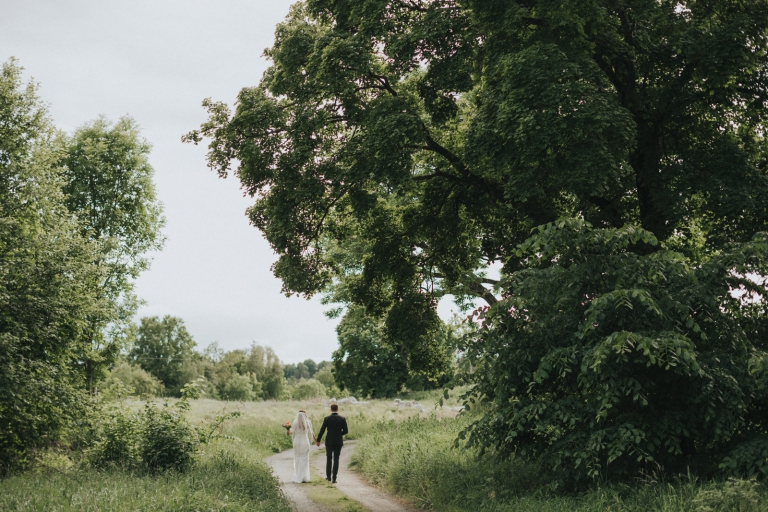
(604, 357)
(48, 283)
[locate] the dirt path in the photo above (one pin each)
(282, 467)
(348, 483)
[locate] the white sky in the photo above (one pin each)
(156, 61)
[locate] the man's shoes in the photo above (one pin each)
(334, 481)
(328, 479)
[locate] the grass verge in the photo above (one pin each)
(416, 459)
(229, 477)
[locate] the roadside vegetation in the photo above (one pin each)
(417, 459)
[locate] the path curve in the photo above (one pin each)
(349, 482)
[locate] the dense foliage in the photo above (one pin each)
(48, 286)
(162, 346)
(616, 357)
(396, 148)
(372, 364)
(163, 360)
(64, 291)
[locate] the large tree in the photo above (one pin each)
(108, 185)
(48, 283)
(395, 148)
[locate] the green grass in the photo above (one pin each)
(406, 452)
(229, 477)
(416, 460)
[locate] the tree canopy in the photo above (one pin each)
(108, 185)
(434, 136)
(396, 148)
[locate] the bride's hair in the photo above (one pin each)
(301, 422)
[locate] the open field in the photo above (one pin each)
(230, 474)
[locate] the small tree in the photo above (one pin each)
(161, 348)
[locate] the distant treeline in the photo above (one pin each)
(162, 358)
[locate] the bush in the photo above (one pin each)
(127, 379)
(241, 387)
(307, 388)
(156, 438)
(119, 438)
(325, 376)
(168, 440)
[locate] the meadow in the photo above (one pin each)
(400, 449)
(230, 474)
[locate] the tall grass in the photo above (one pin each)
(417, 460)
(260, 422)
(229, 476)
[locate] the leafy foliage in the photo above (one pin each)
(370, 363)
(396, 148)
(161, 348)
(48, 286)
(614, 357)
(155, 438)
(126, 379)
(108, 185)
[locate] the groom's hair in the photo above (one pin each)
(334, 408)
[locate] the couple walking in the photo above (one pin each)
(301, 429)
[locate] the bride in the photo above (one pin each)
(301, 429)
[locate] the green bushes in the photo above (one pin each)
(612, 356)
(127, 379)
(306, 388)
(168, 440)
(155, 438)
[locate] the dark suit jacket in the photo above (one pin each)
(337, 427)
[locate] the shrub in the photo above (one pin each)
(241, 387)
(307, 388)
(168, 440)
(612, 356)
(127, 379)
(325, 376)
(156, 438)
(119, 438)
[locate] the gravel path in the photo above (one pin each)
(348, 482)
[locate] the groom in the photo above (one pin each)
(337, 427)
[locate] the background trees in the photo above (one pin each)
(108, 185)
(162, 347)
(395, 149)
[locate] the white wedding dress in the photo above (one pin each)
(302, 430)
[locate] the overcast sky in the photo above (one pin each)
(156, 61)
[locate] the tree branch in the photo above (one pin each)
(479, 290)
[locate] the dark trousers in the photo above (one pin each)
(332, 460)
